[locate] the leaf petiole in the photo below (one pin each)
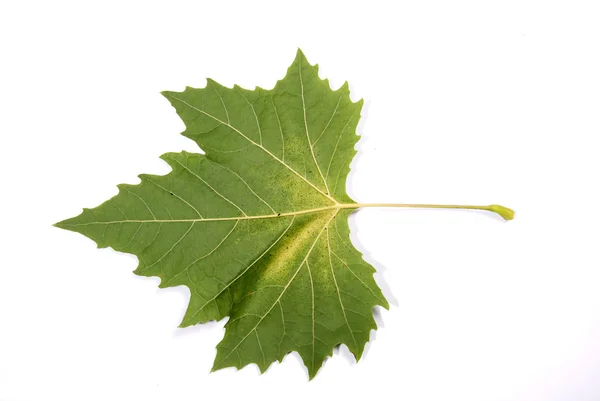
(504, 212)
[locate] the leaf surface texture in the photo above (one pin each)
(253, 227)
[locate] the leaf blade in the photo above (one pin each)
(255, 227)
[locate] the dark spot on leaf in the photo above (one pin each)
(171, 193)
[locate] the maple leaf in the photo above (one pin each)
(257, 228)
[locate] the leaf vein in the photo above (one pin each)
(338, 292)
(287, 285)
(246, 269)
(211, 187)
(170, 249)
(206, 255)
(174, 194)
(255, 116)
(258, 145)
(310, 145)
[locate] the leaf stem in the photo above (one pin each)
(504, 212)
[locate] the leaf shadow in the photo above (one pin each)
(379, 267)
(341, 349)
(363, 119)
(489, 215)
(184, 294)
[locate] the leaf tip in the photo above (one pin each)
(167, 157)
(384, 303)
(66, 224)
(300, 57)
(215, 366)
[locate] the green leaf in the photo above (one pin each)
(257, 228)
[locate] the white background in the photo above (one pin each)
(466, 102)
